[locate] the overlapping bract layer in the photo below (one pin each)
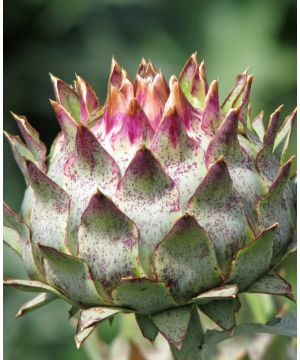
(158, 200)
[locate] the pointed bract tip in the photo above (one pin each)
(278, 110)
(133, 107)
(245, 72)
(17, 117)
(173, 80)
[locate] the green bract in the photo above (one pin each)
(160, 202)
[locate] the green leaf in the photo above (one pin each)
(222, 312)
(72, 276)
(283, 136)
(148, 329)
(254, 260)
(31, 286)
(222, 292)
(273, 207)
(95, 315)
(271, 284)
(186, 261)
(285, 326)
(191, 348)
(32, 139)
(234, 93)
(35, 303)
(173, 324)
(67, 97)
(143, 295)
(258, 126)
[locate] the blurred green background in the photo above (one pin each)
(68, 36)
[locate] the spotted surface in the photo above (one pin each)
(108, 242)
(144, 194)
(271, 284)
(180, 156)
(94, 316)
(254, 260)
(273, 208)
(173, 324)
(185, 260)
(143, 295)
(219, 210)
(72, 277)
(222, 312)
(49, 215)
(246, 180)
(33, 142)
(153, 149)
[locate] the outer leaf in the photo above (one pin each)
(13, 230)
(245, 96)
(271, 284)
(88, 169)
(17, 236)
(51, 202)
(67, 97)
(258, 125)
(186, 261)
(72, 277)
(20, 152)
(220, 212)
(93, 316)
(192, 344)
(235, 92)
(254, 260)
(193, 82)
(222, 312)
(284, 326)
(219, 293)
(80, 337)
(148, 329)
(108, 242)
(273, 208)
(173, 324)
(89, 103)
(32, 139)
(266, 161)
(145, 189)
(153, 98)
(180, 156)
(31, 286)
(283, 136)
(35, 303)
(211, 111)
(246, 180)
(143, 295)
